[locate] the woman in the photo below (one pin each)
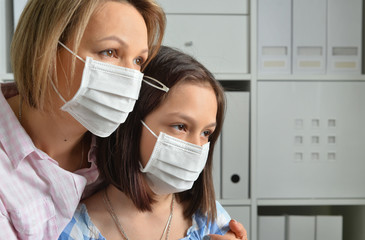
(46, 151)
(157, 167)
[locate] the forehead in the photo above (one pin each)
(113, 17)
(191, 96)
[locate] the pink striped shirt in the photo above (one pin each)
(37, 197)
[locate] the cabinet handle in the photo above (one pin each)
(235, 178)
(188, 44)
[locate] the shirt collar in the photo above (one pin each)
(14, 139)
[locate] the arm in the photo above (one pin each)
(7, 231)
(237, 232)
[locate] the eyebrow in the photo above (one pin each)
(120, 41)
(189, 119)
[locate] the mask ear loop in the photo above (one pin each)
(63, 45)
(162, 86)
(144, 124)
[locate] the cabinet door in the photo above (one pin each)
(205, 6)
(240, 214)
(311, 139)
(218, 42)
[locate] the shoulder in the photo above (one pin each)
(201, 226)
(81, 227)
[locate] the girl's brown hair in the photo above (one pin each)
(45, 22)
(119, 155)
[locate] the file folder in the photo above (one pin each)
(235, 146)
(344, 36)
(309, 36)
(301, 228)
(329, 227)
(271, 227)
(274, 36)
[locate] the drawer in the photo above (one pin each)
(205, 6)
(218, 42)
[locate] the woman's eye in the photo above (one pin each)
(138, 61)
(109, 53)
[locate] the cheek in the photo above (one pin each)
(146, 147)
(69, 83)
(76, 80)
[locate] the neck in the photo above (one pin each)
(161, 203)
(56, 133)
(126, 216)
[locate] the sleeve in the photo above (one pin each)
(221, 225)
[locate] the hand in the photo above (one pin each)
(237, 232)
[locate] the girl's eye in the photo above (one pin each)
(109, 53)
(138, 61)
(179, 127)
(207, 133)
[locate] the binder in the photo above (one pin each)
(309, 36)
(18, 6)
(301, 228)
(235, 146)
(274, 36)
(271, 227)
(344, 36)
(329, 227)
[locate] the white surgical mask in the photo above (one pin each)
(174, 164)
(106, 95)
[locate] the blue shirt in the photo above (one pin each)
(81, 226)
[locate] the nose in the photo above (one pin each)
(130, 64)
(196, 139)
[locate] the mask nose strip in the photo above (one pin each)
(144, 124)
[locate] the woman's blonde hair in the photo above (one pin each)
(44, 23)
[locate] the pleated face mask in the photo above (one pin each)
(174, 164)
(106, 96)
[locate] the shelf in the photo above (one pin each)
(7, 77)
(339, 77)
(232, 76)
(309, 202)
(241, 202)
